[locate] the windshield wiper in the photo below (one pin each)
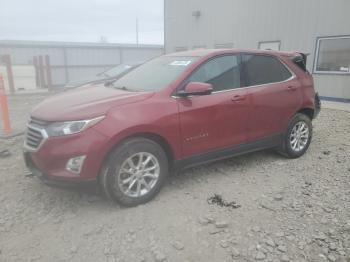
(109, 83)
(105, 74)
(122, 88)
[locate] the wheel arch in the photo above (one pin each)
(309, 112)
(160, 140)
(157, 138)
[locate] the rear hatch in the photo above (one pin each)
(300, 60)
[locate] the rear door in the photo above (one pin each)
(274, 93)
(217, 120)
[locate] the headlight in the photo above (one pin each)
(71, 127)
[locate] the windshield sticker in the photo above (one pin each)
(180, 63)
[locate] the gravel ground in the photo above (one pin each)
(285, 210)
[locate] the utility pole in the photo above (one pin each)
(137, 31)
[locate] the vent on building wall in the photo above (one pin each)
(196, 13)
(181, 48)
(223, 46)
(199, 47)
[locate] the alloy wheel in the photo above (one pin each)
(299, 136)
(138, 174)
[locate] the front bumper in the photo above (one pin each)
(55, 181)
(50, 160)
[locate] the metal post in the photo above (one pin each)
(48, 72)
(121, 57)
(65, 64)
(6, 59)
(41, 72)
(36, 68)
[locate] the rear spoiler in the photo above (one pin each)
(300, 60)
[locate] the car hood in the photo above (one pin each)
(85, 103)
(81, 82)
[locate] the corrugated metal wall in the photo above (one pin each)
(24, 75)
(297, 24)
(73, 61)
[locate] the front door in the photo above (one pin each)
(218, 120)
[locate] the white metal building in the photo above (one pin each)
(318, 27)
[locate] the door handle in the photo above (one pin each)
(292, 88)
(237, 98)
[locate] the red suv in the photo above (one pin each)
(175, 111)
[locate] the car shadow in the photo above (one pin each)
(94, 197)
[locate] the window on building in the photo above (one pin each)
(223, 46)
(222, 72)
(270, 45)
(181, 48)
(263, 69)
(333, 55)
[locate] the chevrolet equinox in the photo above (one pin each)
(175, 111)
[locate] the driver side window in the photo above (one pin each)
(222, 72)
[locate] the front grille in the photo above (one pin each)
(34, 135)
(33, 138)
(37, 122)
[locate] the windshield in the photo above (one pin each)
(155, 74)
(117, 70)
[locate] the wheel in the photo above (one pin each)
(298, 136)
(134, 172)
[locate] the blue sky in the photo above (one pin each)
(82, 20)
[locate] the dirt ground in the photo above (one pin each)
(290, 210)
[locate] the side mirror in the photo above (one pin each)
(196, 89)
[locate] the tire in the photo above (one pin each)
(290, 147)
(134, 172)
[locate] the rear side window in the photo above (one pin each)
(263, 69)
(222, 72)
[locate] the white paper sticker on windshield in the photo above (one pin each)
(180, 63)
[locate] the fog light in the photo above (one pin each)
(75, 164)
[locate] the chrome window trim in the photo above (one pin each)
(255, 86)
(42, 132)
(245, 87)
